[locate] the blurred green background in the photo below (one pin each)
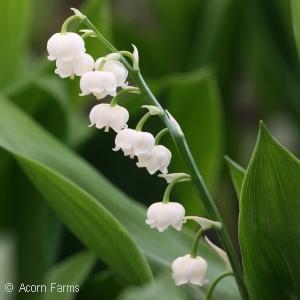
(218, 66)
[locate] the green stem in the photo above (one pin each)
(170, 187)
(160, 135)
(101, 65)
(127, 53)
(195, 243)
(67, 22)
(140, 124)
(215, 282)
(185, 153)
(87, 34)
(121, 93)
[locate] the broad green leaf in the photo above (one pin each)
(269, 229)
(73, 272)
(90, 222)
(22, 136)
(164, 289)
(194, 101)
(15, 21)
(104, 281)
(7, 264)
(237, 174)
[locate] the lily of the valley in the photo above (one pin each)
(114, 67)
(75, 66)
(161, 215)
(104, 115)
(158, 160)
(187, 269)
(134, 142)
(65, 46)
(99, 83)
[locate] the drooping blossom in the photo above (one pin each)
(161, 215)
(134, 143)
(187, 269)
(104, 115)
(158, 160)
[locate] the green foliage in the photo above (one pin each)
(253, 74)
(80, 212)
(269, 221)
(16, 15)
(237, 174)
(73, 272)
(57, 173)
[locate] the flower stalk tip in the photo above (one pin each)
(135, 58)
(79, 14)
(175, 124)
(154, 110)
(205, 223)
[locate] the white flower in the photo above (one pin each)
(114, 67)
(187, 269)
(108, 116)
(160, 215)
(134, 142)
(158, 160)
(99, 83)
(77, 66)
(65, 46)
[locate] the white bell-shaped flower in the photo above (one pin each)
(99, 83)
(187, 269)
(158, 160)
(104, 115)
(134, 142)
(114, 67)
(161, 215)
(75, 66)
(65, 46)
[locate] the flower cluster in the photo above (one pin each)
(101, 78)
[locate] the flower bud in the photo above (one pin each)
(161, 215)
(104, 115)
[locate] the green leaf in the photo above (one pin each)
(106, 281)
(269, 221)
(22, 136)
(295, 8)
(15, 21)
(90, 222)
(164, 289)
(73, 271)
(237, 174)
